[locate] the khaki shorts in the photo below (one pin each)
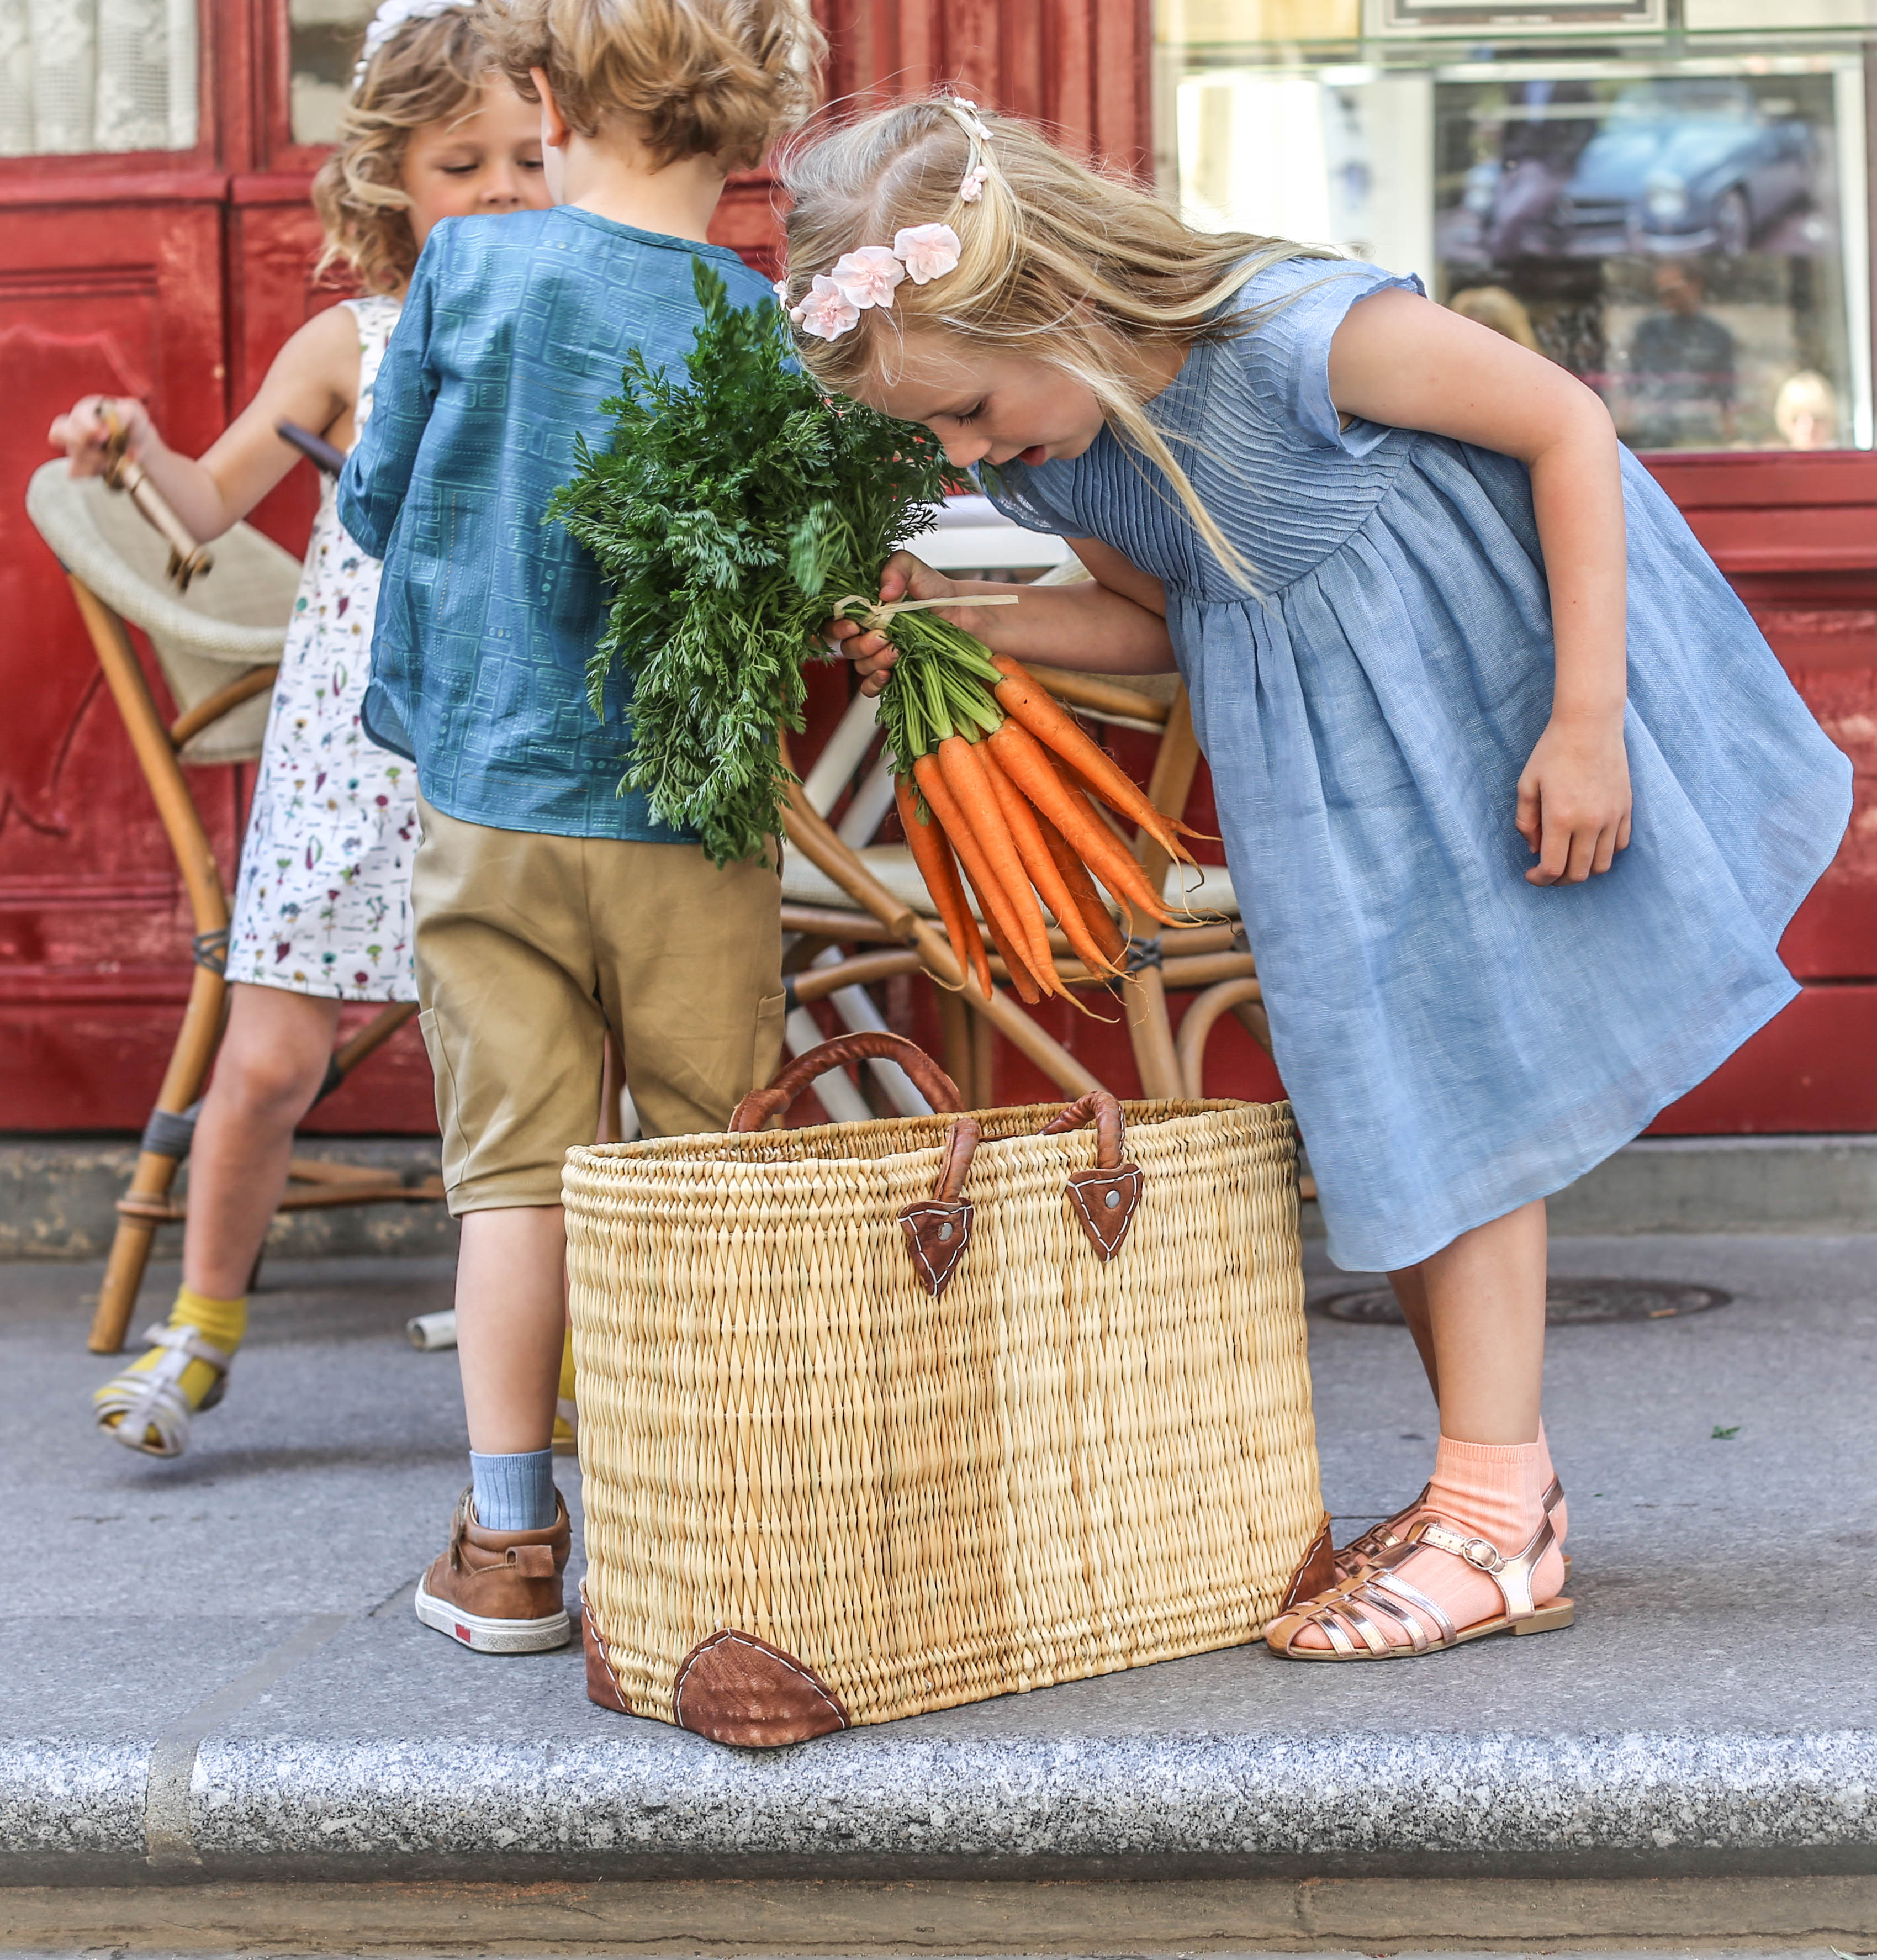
(530, 948)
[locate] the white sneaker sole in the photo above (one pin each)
(486, 1636)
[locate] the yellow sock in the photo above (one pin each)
(221, 1322)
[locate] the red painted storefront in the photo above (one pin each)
(176, 275)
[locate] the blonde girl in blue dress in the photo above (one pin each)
(1517, 800)
(322, 909)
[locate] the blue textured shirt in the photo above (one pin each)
(515, 331)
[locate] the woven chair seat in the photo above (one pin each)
(233, 618)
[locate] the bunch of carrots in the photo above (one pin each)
(998, 788)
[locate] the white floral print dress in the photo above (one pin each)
(324, 903)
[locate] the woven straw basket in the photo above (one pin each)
(872, 1424)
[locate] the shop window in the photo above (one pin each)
(1684, 224)
(324, 38)
(79, 76)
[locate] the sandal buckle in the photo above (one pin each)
(1482, 1555)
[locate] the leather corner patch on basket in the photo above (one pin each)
(1316, 1569)
(734, 1687)
(601, 1686)
(1104, 1201)
(936, 1234)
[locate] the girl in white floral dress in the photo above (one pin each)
(322, 906)
(321, 911)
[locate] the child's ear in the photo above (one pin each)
(555, 128)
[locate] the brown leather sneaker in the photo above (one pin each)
(499, 1592)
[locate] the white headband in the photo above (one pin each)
(394, 14)
(868, 277)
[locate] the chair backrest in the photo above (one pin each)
(233, 619)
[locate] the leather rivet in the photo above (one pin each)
(945, 1232)
(1112, 1200)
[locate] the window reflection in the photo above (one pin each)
(1688, 236)
(324, 38)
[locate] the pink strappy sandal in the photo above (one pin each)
(1368, 1546)
(1352, 1614)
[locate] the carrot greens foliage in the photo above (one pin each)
(735, 505)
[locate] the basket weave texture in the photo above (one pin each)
(1058, 1468)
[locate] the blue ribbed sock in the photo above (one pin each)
(514, 1493)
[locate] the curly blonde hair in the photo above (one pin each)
(700, 77)
(431, 71)
(1069, 264)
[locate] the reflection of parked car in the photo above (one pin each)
(1677, 166)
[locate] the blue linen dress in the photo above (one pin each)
(1455, 1041)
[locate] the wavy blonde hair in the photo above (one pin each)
(430, 71)
(698, 78)
(1069, 264)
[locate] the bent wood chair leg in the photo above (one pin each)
(166, 1141)
(166, 1138)
(1143, 992)
(1201, 1017)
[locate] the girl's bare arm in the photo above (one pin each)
(1401, 359)
(1116, 623)
(313, 381)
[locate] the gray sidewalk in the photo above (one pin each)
(212, 1673)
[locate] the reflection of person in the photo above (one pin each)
(321, 911)
(1806, 412)
(1681, 369)
(1493, 307)
(550, 909)
(1420, 734)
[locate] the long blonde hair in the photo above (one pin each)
(433, 70)
(1066, 264)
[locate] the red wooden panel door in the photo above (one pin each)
(1797, 537)
(113, 286)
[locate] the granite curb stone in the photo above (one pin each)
(860, 1805)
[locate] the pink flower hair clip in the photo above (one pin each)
(868, 277)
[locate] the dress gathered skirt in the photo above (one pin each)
(1455, 1041)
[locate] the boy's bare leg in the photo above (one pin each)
(272, 1059)
(511, 1317)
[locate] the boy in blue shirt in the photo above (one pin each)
(548, 908)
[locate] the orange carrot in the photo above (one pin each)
(1029, 764)
(976, 866)
(938, 868)
(1027, 991)
(1026, 833)
(965, 776)
(1019, 694)
(1096, 919)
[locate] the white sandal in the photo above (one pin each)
(147, 1400)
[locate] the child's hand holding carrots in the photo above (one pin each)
(905, 577)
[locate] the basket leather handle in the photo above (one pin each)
(1105, 1197)
(938, 1229)
(928, 1078)
(1097, 1107)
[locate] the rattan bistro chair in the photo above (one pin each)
(839, 890)
(218, 645)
